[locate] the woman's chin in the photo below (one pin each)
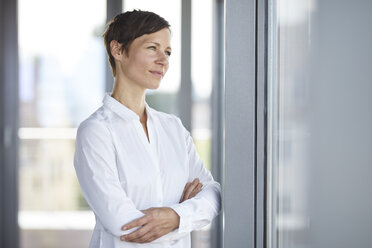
(154, 86)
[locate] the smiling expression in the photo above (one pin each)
(147, 60)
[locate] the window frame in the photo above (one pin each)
(245, 162)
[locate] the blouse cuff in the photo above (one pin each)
(185, 218)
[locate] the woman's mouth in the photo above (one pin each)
(157, 73)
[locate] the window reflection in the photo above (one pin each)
(289, 55)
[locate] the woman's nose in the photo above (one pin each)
(162, 59)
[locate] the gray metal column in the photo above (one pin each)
(261, 121)
(9, 124)
(217, 103)
(184, 94)
(240, 123)
(114, 7)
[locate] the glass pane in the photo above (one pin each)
(321, 162)
(62, 61)
(289, 55)
(201, 76)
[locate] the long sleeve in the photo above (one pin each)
(200, 210)
(95, 166)
(120, 173)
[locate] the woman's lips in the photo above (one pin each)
(157, 73)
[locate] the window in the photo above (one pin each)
(201, 77)
(61, 72)
(288, 137)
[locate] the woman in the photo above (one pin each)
(137, 167)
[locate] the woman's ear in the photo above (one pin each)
(115, 48)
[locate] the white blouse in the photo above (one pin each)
(121, 172)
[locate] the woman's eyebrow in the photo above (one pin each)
(156, 43)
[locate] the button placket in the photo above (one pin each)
(153, 149)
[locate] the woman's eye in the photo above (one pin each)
(168, 53)
(152, 48)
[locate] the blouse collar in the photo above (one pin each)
(121, 110)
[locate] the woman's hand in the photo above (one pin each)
(156, 223)
(159, 221)
(191, 189)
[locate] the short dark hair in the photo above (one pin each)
(128, 26)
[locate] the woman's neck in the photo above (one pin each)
(131, 96)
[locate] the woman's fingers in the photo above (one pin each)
(191, 189)
(159, 221)
(136, 223)
(196, 190)
(183, 193)
(139, 236)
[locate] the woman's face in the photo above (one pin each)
(147, 60)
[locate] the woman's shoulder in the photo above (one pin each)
(96, 122)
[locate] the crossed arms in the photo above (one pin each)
(159, 221)
(98, 177)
